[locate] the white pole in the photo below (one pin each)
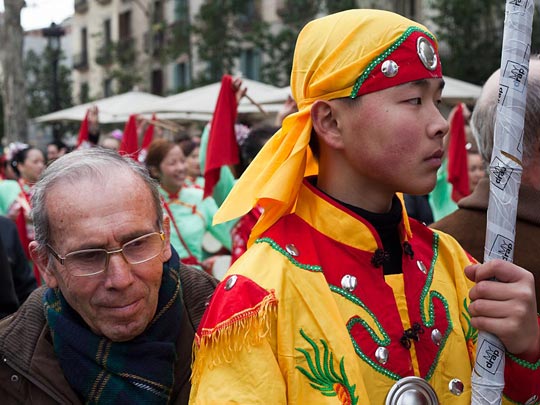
(505, 177)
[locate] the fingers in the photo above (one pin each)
(501, 270)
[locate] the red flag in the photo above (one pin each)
(222, 146)
(130, 142)
(458, 174)
(147, 140)
(83, 131)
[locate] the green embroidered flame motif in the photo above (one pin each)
(471, 334)
(324, 377)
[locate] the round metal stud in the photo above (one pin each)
(389, 68)
(456, 386)
(532, 400)
(426, 53)
(14, 378)
(381, 354)
(349, 282)
(411, 391)
(421, 266)
(231, 282)
(436, 336)
(292, 250)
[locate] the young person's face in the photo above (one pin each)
(193, 163)
(173, 169)
(393, 138)
(475, 166)
(32, 166)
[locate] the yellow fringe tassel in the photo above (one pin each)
(244, 330)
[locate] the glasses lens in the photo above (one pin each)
(143, 249)
(86, 262)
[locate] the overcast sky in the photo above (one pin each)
(41, 13)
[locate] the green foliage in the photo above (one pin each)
(472, 32)
(220, 25)
(40, 86)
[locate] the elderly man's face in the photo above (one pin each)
(120, 302)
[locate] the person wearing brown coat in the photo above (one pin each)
(116, 320)
(468, 223)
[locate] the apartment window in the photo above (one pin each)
(124, 25)
(158, 12)
(84, 43)
(84, 93)
(250, 63)
(181, 10)
(107, 88)
(181, 76)
(157, 82)
(107, 35)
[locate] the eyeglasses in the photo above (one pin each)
(89, 262)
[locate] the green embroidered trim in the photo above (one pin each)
(383, 56)
(523, 363)
(323, 376)
(471, 333)
(385, 341)
(277, 247)
(429, 322)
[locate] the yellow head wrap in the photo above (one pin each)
(334, 56)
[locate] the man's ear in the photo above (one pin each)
(41, 260)
(323, 116)
(166, 255)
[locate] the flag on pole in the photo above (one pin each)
(222, 145)
(458, 174)
(130, 142)
(83, 139)
(147, 140)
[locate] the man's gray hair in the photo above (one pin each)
(96, 164)
(485, 112)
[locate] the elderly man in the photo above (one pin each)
(116, 321)
(468, 223)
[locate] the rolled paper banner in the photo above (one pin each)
(505, 169)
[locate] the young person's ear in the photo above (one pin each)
(41, 260)
(154, 172)
(325, 124)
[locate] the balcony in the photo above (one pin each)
(125, 51)
(105, 55)
(80, 61)
(81, 6)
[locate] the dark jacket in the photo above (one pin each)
(17, 279)
(31, 374)
(468, 226)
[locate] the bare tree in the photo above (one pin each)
(13, 86)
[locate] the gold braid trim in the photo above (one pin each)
(241, 332)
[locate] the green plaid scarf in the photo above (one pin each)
(105, 372)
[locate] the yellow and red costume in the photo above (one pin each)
(306, 315)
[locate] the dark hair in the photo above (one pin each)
(188, 147)
(59, 144)
(157, 151)
(20, 157)
(254, 142)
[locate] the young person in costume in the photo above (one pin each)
(116, 321)
(341, 298)
(191, 214)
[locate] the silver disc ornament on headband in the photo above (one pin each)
(426, 53)
(389, 68)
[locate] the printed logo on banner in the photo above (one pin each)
(517, 73)
(519, 3)
(501, 173)
(489, 357)
(503, 91)
(502, 248)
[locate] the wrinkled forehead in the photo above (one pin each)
(361, 51)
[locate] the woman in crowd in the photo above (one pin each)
(191, 215)
(193, 164)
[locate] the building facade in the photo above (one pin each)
(119, 45)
